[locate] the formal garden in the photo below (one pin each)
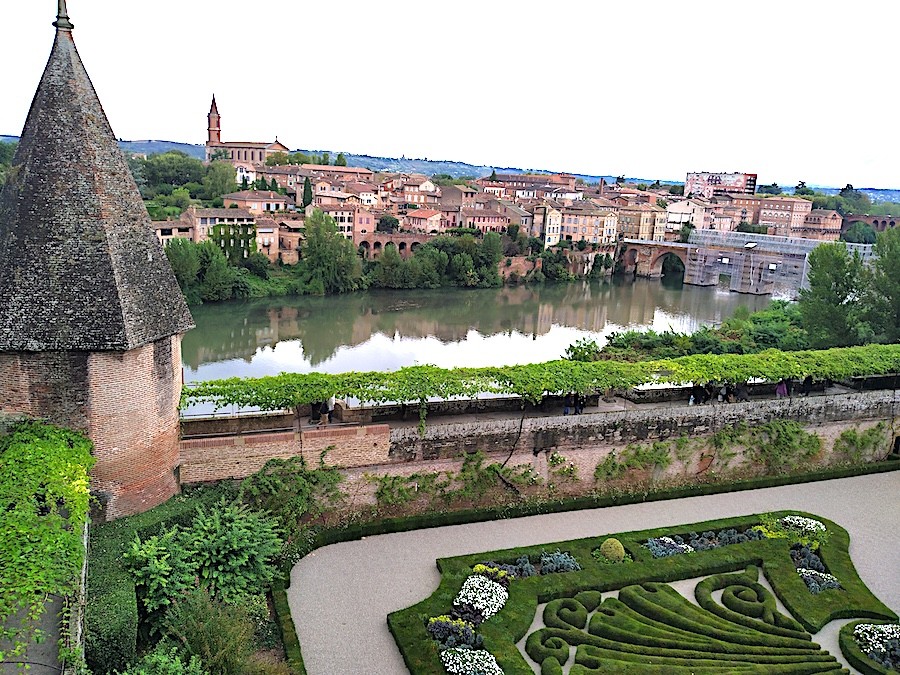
(742, 594)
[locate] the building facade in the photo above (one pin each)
(707, 185)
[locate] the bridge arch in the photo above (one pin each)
(656, 267)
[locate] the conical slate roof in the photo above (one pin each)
(80, 265)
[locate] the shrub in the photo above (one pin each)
(451, 633)
(495, 574)
(663, 547)
(161, 572)
(220, 635)
(804, 558)
(164, 660)
(612, 550)
(483, 595)
(470, 662)
(880, 642)
(805, 531)
(817, 582)
(558, 562)
(233, 549)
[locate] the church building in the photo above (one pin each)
(236, 152)
(91, 316)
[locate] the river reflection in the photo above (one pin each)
(385, 330)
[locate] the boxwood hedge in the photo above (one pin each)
(502, 632)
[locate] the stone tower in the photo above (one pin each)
(214, 128)
(91, 316)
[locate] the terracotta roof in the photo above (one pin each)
(82, 268)
(423, 213)
(218, 213)
(482, 213)
(256, 194)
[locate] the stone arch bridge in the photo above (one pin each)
(754, 264)
(372, 244)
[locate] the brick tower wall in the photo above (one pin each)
(126, 402)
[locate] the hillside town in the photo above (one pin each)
(553, 208)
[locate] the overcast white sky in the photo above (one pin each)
(791, 90)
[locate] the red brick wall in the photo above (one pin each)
(134, 425)
(210, 459)
(126, 402)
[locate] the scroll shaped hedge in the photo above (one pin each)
(650, 619)
(416, 384)
(43, 508)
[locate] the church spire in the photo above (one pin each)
(62, 17)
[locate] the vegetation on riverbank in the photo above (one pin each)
(329, 264)
(847, 303)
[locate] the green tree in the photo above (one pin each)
(325, 159)
(859, 232)
(221, 154)
(387, 223)
(273, 185)
(300, 158)
(307, 192)
(802, 191)
(773, 189)
(493, 175)
(219, 180)
(258, 264)
(329, 263)
(882, 296)
(172, 168)
(216, 276)
(829, 306)
(184, 257)
(340, 160)
(676, 190)
(278, 159)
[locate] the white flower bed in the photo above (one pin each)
(806, 526)
(470, 662)
(485, 595)
(872, 637)
(820, 578)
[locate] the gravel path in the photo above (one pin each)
(340, 595)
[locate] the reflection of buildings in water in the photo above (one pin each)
(325, 325)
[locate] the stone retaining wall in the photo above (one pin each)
(539, 434)
(584, 440)
(238, 456)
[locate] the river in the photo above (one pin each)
(386, 330)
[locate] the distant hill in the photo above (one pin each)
(430, 167)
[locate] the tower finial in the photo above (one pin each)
(62, 17)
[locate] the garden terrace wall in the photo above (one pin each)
(238, 456)
(540, 434)
(583, 439)
(236, 424)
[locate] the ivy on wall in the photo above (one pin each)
(43, 508)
